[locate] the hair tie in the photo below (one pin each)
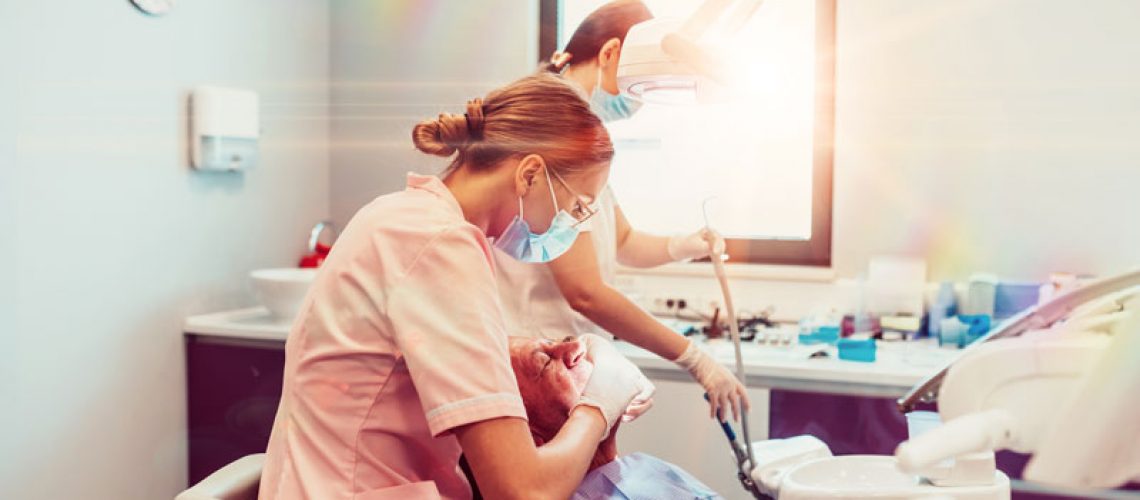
(475, 119)
(560, 59)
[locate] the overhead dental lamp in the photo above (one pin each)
(671, 61)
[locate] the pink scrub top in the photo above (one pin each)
(400, 339)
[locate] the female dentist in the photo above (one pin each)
(399, 361)
(574, 292)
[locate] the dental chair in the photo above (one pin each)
(238, 480)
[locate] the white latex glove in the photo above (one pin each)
(642, 402)
(724, 389)
(615, 382)
(696, 245)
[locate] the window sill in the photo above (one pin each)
(759, 272)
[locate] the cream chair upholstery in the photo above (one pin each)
(236, 481)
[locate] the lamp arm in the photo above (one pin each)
(710, 12)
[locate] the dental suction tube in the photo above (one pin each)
(733, 327)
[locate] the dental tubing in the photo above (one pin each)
(733, 327)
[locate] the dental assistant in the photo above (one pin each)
(574, 293)
(398, 360)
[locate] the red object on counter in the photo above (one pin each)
(318, 251)
(316, 257)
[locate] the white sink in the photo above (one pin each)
(282, 290)
(877, 477)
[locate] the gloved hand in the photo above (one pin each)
(724, 390)
(614, 384)
(642, 402)
(696, 245)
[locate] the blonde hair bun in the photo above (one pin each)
(541, 114)
(450, 133)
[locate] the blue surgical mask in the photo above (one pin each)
(611, 107)
(518, 242)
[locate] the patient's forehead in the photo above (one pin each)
(527, 343)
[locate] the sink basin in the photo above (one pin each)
(282, 290)
(875, 476)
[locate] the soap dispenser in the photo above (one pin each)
(224, 128)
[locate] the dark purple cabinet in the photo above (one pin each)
(233, 386)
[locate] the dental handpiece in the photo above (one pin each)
(730, 433)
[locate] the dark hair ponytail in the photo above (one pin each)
(611, 20)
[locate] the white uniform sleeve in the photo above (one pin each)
(448, 325)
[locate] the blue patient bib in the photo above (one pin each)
(641, 477)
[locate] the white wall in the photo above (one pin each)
(994, 135)
(117, 239)
(394, 63)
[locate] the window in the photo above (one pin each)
(765, 158)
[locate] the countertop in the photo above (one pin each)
(898, 367)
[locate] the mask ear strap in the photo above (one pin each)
(550, 184)
(520, 207)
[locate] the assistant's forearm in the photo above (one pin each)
(640, 249)
(614, 312)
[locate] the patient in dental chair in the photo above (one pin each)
(551, 376)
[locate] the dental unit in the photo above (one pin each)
(1058, 381)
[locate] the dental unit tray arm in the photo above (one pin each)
(1035, 318)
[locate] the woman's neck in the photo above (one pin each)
(584, 74)
(479, 196)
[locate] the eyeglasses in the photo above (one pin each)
(583, 209)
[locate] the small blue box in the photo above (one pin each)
(857, 350)
(821, 335)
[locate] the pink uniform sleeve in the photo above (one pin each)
(448, 325)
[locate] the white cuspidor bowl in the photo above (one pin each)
(282, 290)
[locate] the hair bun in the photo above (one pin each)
(449, 133)
(442, 136)
(475, 119)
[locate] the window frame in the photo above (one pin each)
(815, 251)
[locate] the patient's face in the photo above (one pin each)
(551, 376)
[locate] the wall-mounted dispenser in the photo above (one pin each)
(224, 128)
